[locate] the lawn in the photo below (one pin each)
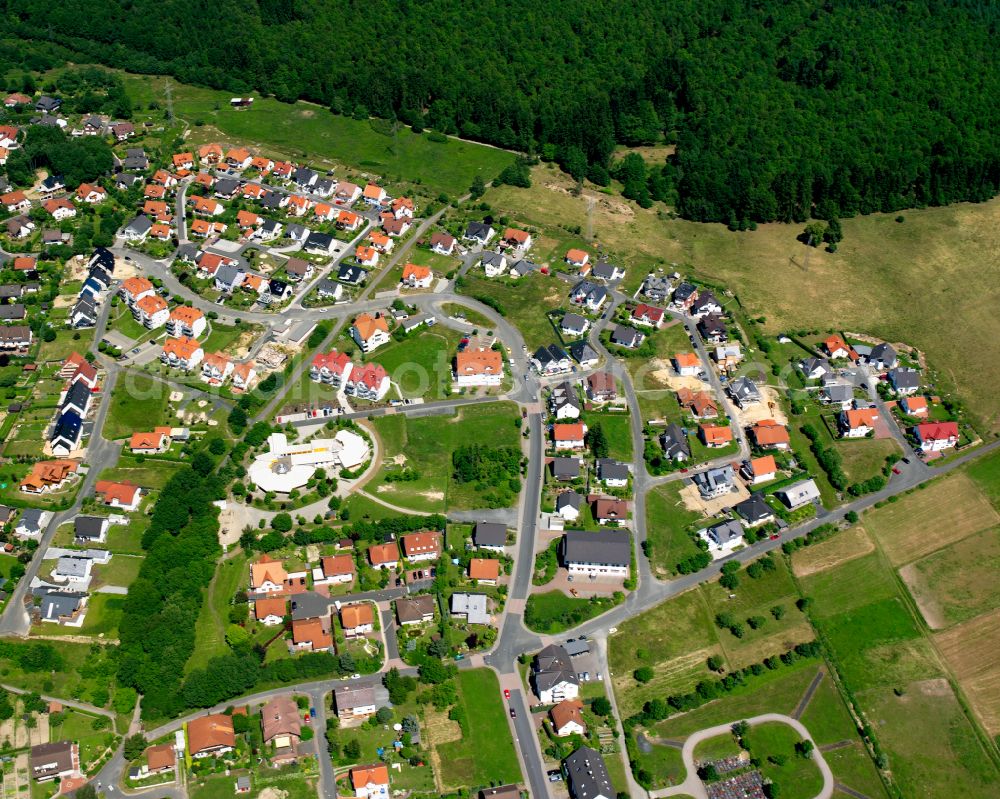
(224, 338)
(148, 474)
(617, 430)
(524, 303)
(123, 321)
(360, 507)
(441, 264)
(799, 777)
(420, 365)
(553, 612)
(667, 523)
(210, 629)
(864, 458)
(485, 754)
(79, 727)
(121, 570)
(65, 344)
(304, 131)
(427, 443)
(138, 403)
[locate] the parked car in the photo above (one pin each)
(513, 713)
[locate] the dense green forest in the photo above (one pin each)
(780, 109)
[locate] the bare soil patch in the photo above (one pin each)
(845, 546)
(946, 511)
(923, 596)
(693, 501)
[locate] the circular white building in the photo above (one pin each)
(288, 466)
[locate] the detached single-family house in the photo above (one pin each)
(479, 232)
(491, 536)
(417, 277)
(590, 295)
(569, 436)
(608, 509)
(675, 443)
(312, 635)
(583, 353)
(725, 536)
(423, 546)
(882, 356)
(573, 324)
(627, 337)
(564, 469)
(478, 366)
(836, 393)
(553, 675)
(759, 470)
(648, 315)
(716, 482)
(754, 511)
(798, 494)
(484, 570)
(474, 608)
(700, 404)
(443, 243)
(714, 436)
(494, 263)
(607, 272)
(384, 556)
(415, 610)
(904, 381)
(123, 495)
(211, 736)
(370, 782)
(602, 387)
(815, 368)
(857, 422)
(744, 392)
(914, 406)
(357, 619)
(835, 347)
(354, 701)
(152, 443)
(518, 239)
(613, 473)
(568, 505)
(567, 719)
(936, 436)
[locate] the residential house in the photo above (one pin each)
(904, 381)
(305, 178)
(574, 325)
(334, 570)
(602, 387)
(186, 321)
(325, 212)
(365, 255)
(728, 356)
(384, 556)
(277, 291)
(701, 404)
(19, 227)
(346, 193)
(206, 206)
(494, 263)
(705, 304)
(415, 610)
(66, 434)
(49, 476)
(15, 337)
(606, 553)
(320, 244)
(329, 289)
(138, 229)
(474, 608)
(153, 443)
(648, 315)
(564, 402)
(348, 220)
(607, 509)
(395, 227)
(815, 368)
(357, 619)
(479, 233)
(716, 482)
(568, 505)
(551, 360)
(484, 570)
(687, 364)
(627, 337)
(216, 368)
(835, 347)
(332, 368)
(553, 675)
(754, 511)
(239, 158)
(59, 209)
(76, 397)
(613, 473)
(798, 494)
(151, 311)
(15, 202)
(657, 288)
(51, 185)
(724, 537)
(56, 760)
(607, 272)
(914, 406)
(282, 727)
(182, 353)
(567, 719)
(402, 208)
(583, 353)
(31, 523)
(768, 434)
(122, 131)
(423, 546)
(713, 329)
(60, 606)
(122, 495)
(229, 277)
(270, 611)
(368, 381)
(417, 277)
(312, 635)
(590, 295)
(351, 275)
(211, 736)
(160, 759)
(443, 243)
(569, 436)
(268, 575)
(491, 536)
(518, 239)
(836, 393)
(882, 356)
(298, 269)
(13, 313)
(675, 443)
(478, 366)
(354, 701)
(578, 259)
(759, 470)
(936, 436)
(370, 782)
(744, 392)
(857, 422)
(715, 436)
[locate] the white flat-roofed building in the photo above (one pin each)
(287, 466)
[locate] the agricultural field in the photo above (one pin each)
(939, 249)
(425, 446)
(970, 652)
(946, 511)
(848, 545)
(304, 131)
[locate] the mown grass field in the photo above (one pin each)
(425, 444)
(798, 777)
(210, 629)
(485, 754)
(308, 132)
(138, 404)
(524, 303)
(905, 269)
(667, 522)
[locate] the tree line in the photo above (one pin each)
(779, 110)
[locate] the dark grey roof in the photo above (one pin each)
(754, 509)
(477, 230)
(884, 353)
(569, 499)
(31, 519)
(85, 307)
(277, 287)
(625, 336)
(89, 526)
(656, 288)
(718, 477)
(744, 389)
(552, 666)
(56, 603)
(324, 186)
(227, 274)
(490, 534)
(352, 274)
(272, 200)
(683, 291)
(139, 225)
(587, 775)
(838, 392)
(675, 443)
(316, 240)
(5, 513)
(78, 395)
(565, 468)
(582, 351)
(46, 103)
(127, 179)
(226, 187)
(712, 327)
(187, 251)
(135, 162)
(904, 378)
(609, 547)
(327, 286)
(809, 365)
(610, 469)
(304, 176)
(53, 182)
(494, 259)
(604, 271)
(10, 290)
(574, 323)
(523, 267)
(12, 312)
(100, 274)
(705, 301)
(577, 647)
(550, 354)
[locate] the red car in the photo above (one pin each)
(895, 470)
(775, 537)
(506, 693)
